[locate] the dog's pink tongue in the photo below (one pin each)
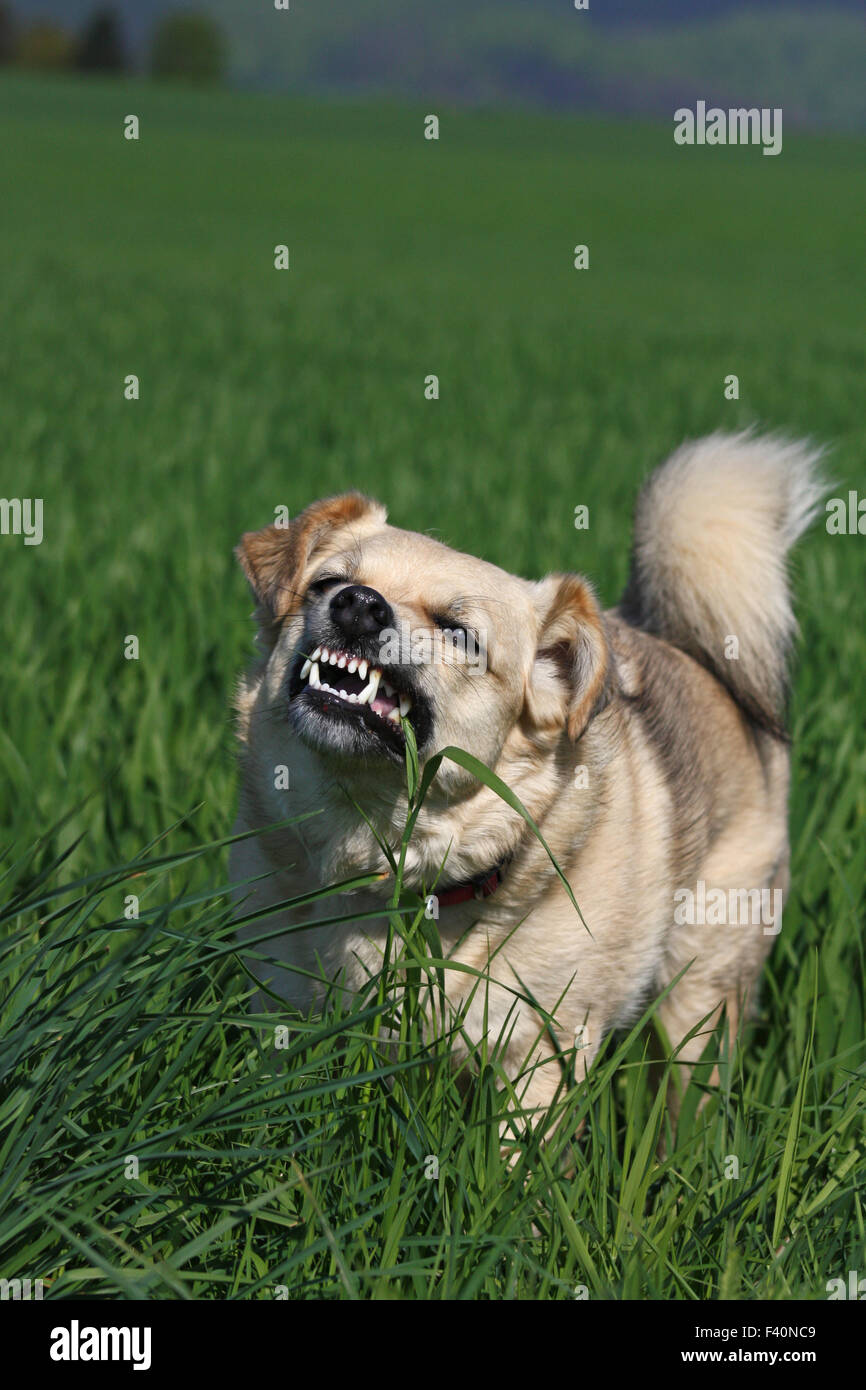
(383, 704)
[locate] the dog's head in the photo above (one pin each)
(362, 624)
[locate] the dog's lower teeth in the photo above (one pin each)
(314, 674)
(395, 715)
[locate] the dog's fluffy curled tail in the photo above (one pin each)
(713, 527)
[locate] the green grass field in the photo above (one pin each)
(259, 388)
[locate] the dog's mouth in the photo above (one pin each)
(343, 701)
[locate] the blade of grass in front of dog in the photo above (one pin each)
(489, 779)
(639, 1173)
(412, 773)
(572, 1230)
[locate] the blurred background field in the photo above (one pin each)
(260, 388)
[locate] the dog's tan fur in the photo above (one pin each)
(686, 761)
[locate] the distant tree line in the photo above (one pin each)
(186, 45)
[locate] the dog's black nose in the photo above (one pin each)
(359, 611)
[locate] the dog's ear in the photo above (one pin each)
(573, 675)
(274, 559)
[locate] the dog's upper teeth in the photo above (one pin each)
(369, 692)
(367, 695)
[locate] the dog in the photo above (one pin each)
(648, 743)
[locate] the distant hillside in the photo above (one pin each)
(810, 61)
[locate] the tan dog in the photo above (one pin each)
(647, 743)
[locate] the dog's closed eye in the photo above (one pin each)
(318, 586)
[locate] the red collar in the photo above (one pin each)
(481, 886)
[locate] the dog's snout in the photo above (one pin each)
(360, 611)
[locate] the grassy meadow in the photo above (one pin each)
(130, 1040)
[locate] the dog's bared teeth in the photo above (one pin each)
(376, 684)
